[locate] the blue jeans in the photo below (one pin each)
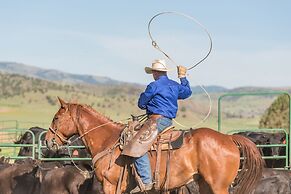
(142, 163)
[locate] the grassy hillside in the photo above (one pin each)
(33, 102)
(30, 99)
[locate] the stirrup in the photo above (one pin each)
(146, 187)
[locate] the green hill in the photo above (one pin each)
(33, 101)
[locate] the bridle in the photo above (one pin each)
(56, 134)
(77, 123)
(68, 141)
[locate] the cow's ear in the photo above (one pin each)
(62, 103)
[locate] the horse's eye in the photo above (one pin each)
(56, 118)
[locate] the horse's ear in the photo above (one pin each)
(62, 102)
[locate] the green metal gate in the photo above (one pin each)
(69, 148)
(286, 157)
(9, 149)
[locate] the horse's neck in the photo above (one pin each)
(103, 132)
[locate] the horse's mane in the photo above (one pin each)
(97, 114)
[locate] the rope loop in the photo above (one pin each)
(155, 45)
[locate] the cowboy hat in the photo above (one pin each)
(157, 65)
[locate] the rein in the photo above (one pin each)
(97, 156)
(54, 131)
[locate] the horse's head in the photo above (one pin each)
(62, 126)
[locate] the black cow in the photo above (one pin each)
(264, 138)
(94, 186)
(63, 152)
(75, 153)
(31, 177)
(46, 173)
(27, 138)
(18, 178)
(66, 180)
(272, 182)
(276, 138)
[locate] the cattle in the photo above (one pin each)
(62, 177)
(18, 178)
(275, 182)
(75, 153)
(93, 186)
(264, 138)
(32, 177)
(66, 180)
(272, 185)
(44, 177)
(55, 177)
(27, 138)
(272, 182)
(63, 152)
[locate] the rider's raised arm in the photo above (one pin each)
(184, 89)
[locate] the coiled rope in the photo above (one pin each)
(156, 46)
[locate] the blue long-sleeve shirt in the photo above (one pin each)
(161, 96)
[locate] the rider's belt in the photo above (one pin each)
(156, 116)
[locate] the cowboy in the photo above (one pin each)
(160, 100)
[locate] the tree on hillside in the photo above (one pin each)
(277, 115)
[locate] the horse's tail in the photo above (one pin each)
(252, 166)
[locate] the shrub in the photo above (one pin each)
(277, 115)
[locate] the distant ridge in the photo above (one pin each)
(54, 75)
(259, 89)
(209, 89)
(68, 78)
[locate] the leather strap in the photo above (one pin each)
(120, 179)
(158, 163)
(166, 182)
(168, 170)
(101, 155)
(104, 153)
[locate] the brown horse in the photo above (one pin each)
(212, 155)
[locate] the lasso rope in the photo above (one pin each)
(204, 119)
(156, 46)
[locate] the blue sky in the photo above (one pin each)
(251, 39)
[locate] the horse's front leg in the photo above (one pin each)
(108, 187)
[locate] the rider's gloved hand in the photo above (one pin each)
(181, 71)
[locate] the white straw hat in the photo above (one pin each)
(157, 65)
